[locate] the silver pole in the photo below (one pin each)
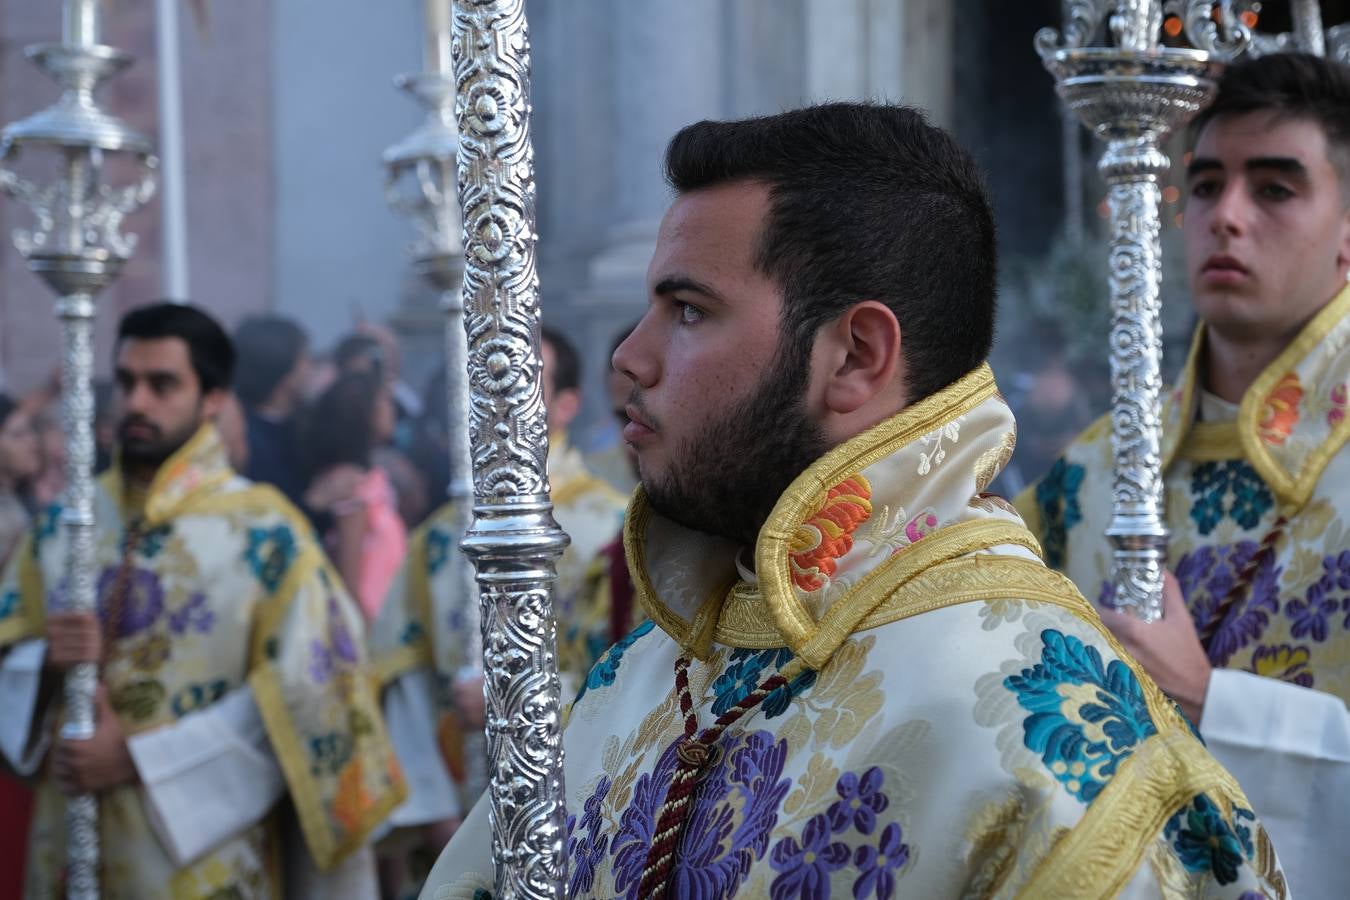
(1307, 15)
(426, 158)
(173, 197)
(1132, 95)
(514, 541)
(77, 248)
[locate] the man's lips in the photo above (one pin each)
(1223, 264)
(637, 427)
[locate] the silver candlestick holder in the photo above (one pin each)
(420, 182)
(77, 247)
(1132, 95)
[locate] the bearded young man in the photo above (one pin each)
(1255, 641)
(232, 672)
(859, 679)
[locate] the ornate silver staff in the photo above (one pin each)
(1132, 95)
(420, 181)
(514, 542)
(77, 247)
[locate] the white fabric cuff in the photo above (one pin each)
(1250, 711)
(410, 715)
(20, 682)
(208, 776)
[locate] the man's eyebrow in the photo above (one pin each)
(1203, 164)
(1286, 164)
(675, 283)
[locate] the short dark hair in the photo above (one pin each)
(1294, 86)
(567, 371)
(268, 349)
(209, 346)
(867, 202)
(355, 348)
(340, 428)
(8, 406)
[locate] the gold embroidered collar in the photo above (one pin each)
(1292, 419)
(869, 517)
(196, 468)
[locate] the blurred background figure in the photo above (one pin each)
(273, 370)
(615, 464)
(350, 495)
(20, 463)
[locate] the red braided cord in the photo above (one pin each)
(1242, 587)
(692, 758)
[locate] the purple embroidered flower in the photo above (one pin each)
(338, 635)
(1207, 577)
(860, 801)
(718, 846)
(1323, 599)
(321, 666)
(194, 615)
(142, 605)
(586, 852)
(877, 865)
(804, 869)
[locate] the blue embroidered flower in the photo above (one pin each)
(1057, 727)
(270, 553)
(804, 869)
(1211, 485)
(153, 541)
(412, 633)
(860, 801)
(438, 550)
(779, 699)
(1057, 498)
(9, 603)
(1204, 842)
(748, 668)
(604, 672)
(877, 865)
(48, 523)
(585, 853)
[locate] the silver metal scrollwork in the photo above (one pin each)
(1133, 96)
(514, 541)
(77, 247)
(1223, 36)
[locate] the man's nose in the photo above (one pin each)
(635, 357)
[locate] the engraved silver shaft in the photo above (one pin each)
(514, 541)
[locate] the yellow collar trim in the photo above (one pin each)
(810, 489)
(1277, 390)
(1212, 442)
(197, 468)
(732, 617)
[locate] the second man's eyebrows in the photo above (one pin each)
(1289, 165)
(675, 283)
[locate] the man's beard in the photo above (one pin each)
(727, 478)
(157, 448)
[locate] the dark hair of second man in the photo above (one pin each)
(209, 347)
(867, 202)
(567, 364)
(268, 347)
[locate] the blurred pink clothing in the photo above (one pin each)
(386, 540)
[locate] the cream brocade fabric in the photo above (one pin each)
(966, 727)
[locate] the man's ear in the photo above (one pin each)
(212, 403)
(861, 350)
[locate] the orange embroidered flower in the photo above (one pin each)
(1279, 413)
(827, 535)
(353, 799)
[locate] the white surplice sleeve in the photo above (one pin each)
(1289, 748)
(410, 717)
(208, 776)
(23, 744)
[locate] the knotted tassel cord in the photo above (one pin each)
(1234, 600)
(694, 754)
